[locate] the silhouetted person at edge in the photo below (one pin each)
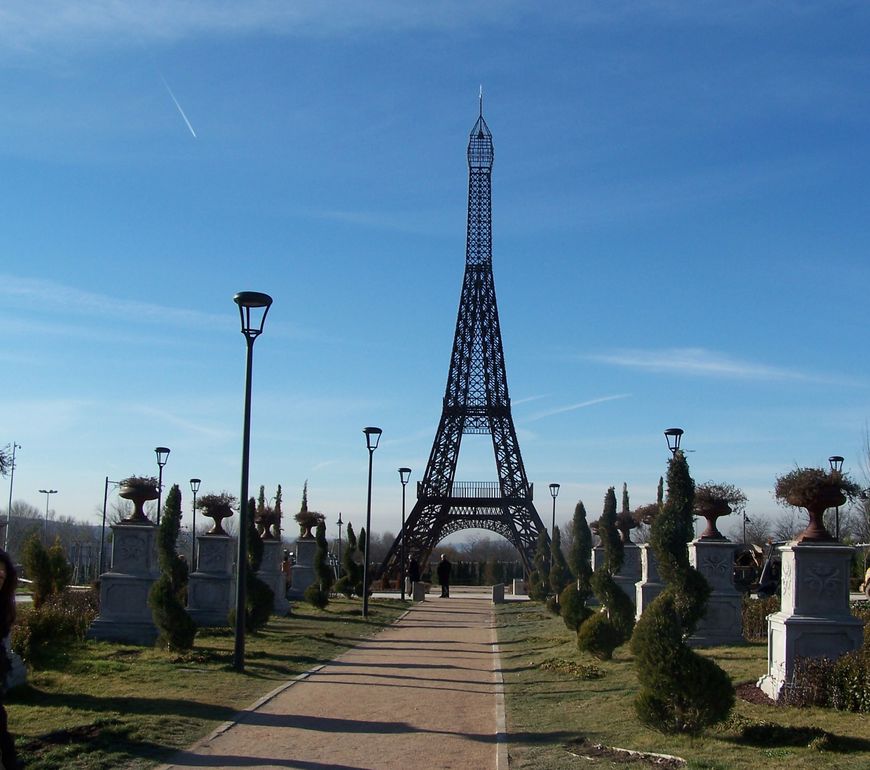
(413, 572)
(444, 576)
(8, 583)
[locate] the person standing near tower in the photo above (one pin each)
(444, 576)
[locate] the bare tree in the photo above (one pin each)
(758, 529)
(789, 525)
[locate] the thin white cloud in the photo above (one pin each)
(697, 362)
(573, 407)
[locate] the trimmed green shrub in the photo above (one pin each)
(613, 625)
(260, 599)
(560, 575)
(754, 614)
(352, 571)
(62, 618)
(48, 569)
(681, 691)
(574, 603)
(318, 592)
(572, 606)
(539, 577)
(167, 595)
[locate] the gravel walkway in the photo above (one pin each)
(425, 692)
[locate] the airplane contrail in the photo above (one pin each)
(180, 111)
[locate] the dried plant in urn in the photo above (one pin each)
(217, 506)
(815, 489)
(714, 500)
(139, 490)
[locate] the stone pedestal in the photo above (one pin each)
(650, 584)
(124, 612)
(814, 619)
(518, 587)
(722, 622)
(419, 593)
(630, 573)
(270, 573)
(303, 570)
(211, 588)
(498, 593)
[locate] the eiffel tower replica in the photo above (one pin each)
(476, 402)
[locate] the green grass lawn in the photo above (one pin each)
(550, 707)
(111, 706)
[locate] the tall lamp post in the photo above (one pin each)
(373, 436)
(836, 467)
(9, 509)
(674, 436)
(554, 491)
(404, 475)
(194, 487)
(339, 523)
(746, 520)
(162, 453)
(103, 525)
(48, 493)
(251, 305)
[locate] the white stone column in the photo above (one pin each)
(211, 587)
(723, 619)
(270, 573)
(814, 620)
(302, 574)
(650, 584)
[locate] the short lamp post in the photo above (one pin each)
(48, 493)
(554, 491)
(162, 453)
(746, 520)
(404, 475)
(674, 436)
(373, 436)
(339, 523)
(194, 487)
(253, 308)
(836, 463)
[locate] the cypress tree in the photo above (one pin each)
(575, 596)
(352, 572)
(278, 513)
(539, 579)
(681, 691)
(601, 634)
(260, 598)
(318, 592)
(560, 575)
(166, 597)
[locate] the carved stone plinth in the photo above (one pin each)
(650, 584)
(124, 612)
(211, 587)
(814, 620)
(722, 622)
(270, 573)
(630, 572)
(303, 570)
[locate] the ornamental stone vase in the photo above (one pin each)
(138, 494)
(217, 513)
(712, 510)
(816, 504)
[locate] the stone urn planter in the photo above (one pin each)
(816, 490)
(216, 507)
(712, 501)
(711, 510)
(139, 490)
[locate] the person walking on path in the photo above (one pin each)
(413, 573)
(444, 576)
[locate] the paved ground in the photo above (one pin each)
(426, 692)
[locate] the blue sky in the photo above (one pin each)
(680, 216)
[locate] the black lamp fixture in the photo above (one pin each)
(674, 436)
(48, 493)
(162, 453)
(373, 436)
(194, 487)
(339, 523)
(836, 462)
(404, 475)
(554, 491)
(253, 308)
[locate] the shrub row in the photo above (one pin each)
(63, 617)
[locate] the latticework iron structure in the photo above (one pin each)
(476, 401)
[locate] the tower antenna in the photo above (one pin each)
(480, 98)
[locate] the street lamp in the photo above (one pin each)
(48, 493)
(9, 509)
(404, 475)
(194, 487)
(103, 525)
(339, 523)
(253, 308)
(162, 453)
(554, 491)
(673, 436)
(746, 520)
(836, 463)
(373, 436)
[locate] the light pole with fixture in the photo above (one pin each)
(194, 487)
(836, 463)
(103, 525)
(339, 522)
(404, 475)
(9, 509)
(162, 453)
(554, 491)
(251, 305)
(48, 493)
(373, 436)
(674, 436)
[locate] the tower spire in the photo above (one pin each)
(480, 97)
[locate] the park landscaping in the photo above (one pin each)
(560, 703)
(99, 706)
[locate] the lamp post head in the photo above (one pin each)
(48, 491)
(194, 485)
(836, 463)
(251, 305)
(339, 519)
(373, 436)
(162, 453)
(674, 435)
(554, 490)
(404, 475)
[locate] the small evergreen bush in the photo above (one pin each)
(260, 598)
(317, 593)
(539, 577)
(48, 569)
(560, 575)
(754, 613)
(575, 597)
(60, 619)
